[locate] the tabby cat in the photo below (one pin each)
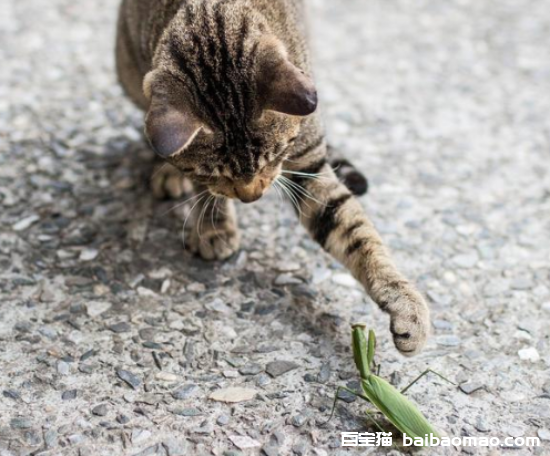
(231, 106)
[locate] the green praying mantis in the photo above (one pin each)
(399, 410)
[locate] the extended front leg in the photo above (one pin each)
(214, 233)
(336, 220)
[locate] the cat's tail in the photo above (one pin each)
(348, 174)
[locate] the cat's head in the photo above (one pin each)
(226, 115)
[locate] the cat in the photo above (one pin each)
(231, 104)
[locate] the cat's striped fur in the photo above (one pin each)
(230, 104)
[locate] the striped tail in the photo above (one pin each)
(348, 174)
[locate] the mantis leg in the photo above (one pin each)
(422, 375)
(336, 400)
(355, 393)
(380, 428)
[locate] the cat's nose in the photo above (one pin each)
(251, 192)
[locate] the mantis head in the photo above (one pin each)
(363, 350)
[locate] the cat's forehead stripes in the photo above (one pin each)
(215, 58)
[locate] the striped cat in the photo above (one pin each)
(231, 106)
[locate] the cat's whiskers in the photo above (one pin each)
(314, 176)
(301, 190)
(188, 215)
(158, 170)
(277, 190)
(217, 209)
(202, 215)
(291, 196)
(177, 206)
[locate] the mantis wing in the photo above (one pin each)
(399, 410)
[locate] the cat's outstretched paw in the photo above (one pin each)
(214, 243)
(410, 322)
(168, 183)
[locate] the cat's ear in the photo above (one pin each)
(170, 127)
(170, 130)
(284, 87)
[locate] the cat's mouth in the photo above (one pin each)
(245, 191)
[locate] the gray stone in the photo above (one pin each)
(100, 410)
(76, 439)
(176, 446)
(270, 450)
(121, 327)
(251, 369)
(299, 449)
(48, 332)
(223, 420)
(21, 423)
(129, 378)
(63, 368)
(481, 425)
(205, 429)
(11, 394)
(466, 260)
(50, 438)
(187, 412)
(69, 395)
(185, 391)
(298, 420)
(471, 387)
(324, 374)
(278, 368)
(449, 341)
(139, 436)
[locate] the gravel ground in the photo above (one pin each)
(112, 339)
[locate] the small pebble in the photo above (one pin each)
(223, 420)
(129, 378)
(140, 435)
(187, 412)
(184, 392)
(69, 395)
(278, 368)
(21, 423)
(100, 410)
(63, 368)
(251, 369)
(244, 442)
(11, 394)
(345, 280)
(166, 377)
(481, 425)
(25, 223)
(298, 420)
(472, 387)
(88, 254)
(529, 354)
(448, 341)
(233, 395)
(270, 450)
(121, 327)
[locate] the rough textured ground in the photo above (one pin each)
(443, 104)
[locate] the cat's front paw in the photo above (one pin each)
(168, 183)
(214, 243)
(410, 321)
